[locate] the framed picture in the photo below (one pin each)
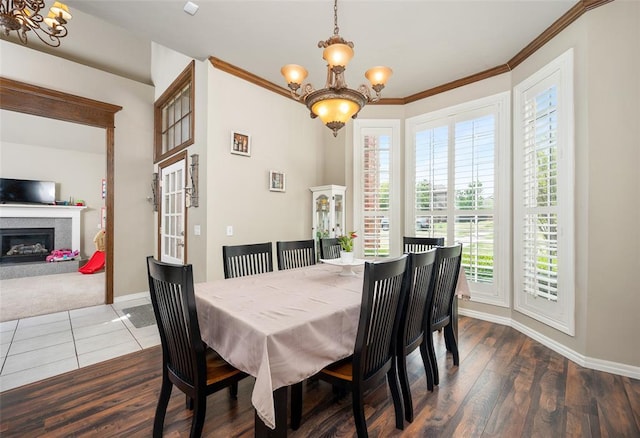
(276, 181)
(240, 143)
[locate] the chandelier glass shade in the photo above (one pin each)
(23, 16)
(336, 103)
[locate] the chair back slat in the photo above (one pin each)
(421, 244)
(417, 282)
(330, 248)
(377, 327)
(243, 260)
(296, 254)
(173, 300)
(447, 268)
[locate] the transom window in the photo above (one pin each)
(174, 116)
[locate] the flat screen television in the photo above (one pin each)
(26, 191)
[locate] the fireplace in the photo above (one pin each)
(21, 245)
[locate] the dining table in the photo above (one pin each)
(281, 327)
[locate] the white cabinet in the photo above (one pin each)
(328, 211)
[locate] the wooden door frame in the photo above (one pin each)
(44, 102)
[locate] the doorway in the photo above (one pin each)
(30, 99)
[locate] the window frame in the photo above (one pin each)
(184, 79)
(559, 314)
(498, 292)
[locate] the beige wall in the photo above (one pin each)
(613, 213)
(134, 230)
(283, 138)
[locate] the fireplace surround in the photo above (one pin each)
(66, 224)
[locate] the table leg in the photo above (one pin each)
(261, 430)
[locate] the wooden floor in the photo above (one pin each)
(507, 385)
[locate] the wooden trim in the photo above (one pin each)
(558, 26)
(250, 77)
(504, 68)
(30, 99)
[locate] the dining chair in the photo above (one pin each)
(373, 356)
(251, 259)
(440, 306)
(418, 281)
(420, 244)
(187, 362)
(330, 248)
(296, 253)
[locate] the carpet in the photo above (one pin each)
(140, 316)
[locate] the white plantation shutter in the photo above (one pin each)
(452, 168)
(539, 187)
(475, 142)
(431, 180)
(543, 183)
(376, 170)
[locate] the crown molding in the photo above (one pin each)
(549, 33)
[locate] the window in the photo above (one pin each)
(543, 184)
(457, 187)
(174, 116)
(376, 187)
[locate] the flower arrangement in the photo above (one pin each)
(346, 242)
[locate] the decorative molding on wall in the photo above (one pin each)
(580, 359)
(558, 26)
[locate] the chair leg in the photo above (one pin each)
(401, 360)
(188, 402)
(426, 361)
(358, 413)
(452, 346)
(199, 412)
(432, 359)
(392, 377)
(161, 408)
(296, 405)
(233, 391)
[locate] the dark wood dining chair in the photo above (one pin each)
(296, 253)
(421, 244)
(251, 259)
(187, 362)
(330, 248)
(374, 352)
(418, 281)
(440, 306)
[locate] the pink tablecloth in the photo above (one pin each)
(281, 327)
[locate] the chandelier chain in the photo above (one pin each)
(336, 30)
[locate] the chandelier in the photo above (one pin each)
(335, 103)
(24, 15)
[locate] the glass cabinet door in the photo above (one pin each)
(339, 215)
(323, 218)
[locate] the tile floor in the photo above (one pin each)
(33, 349)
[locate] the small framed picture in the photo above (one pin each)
(276, 181)
(240, 143)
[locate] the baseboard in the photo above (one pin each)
(584, 361)
(131, 297)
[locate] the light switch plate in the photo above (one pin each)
(229, 230)
(196, 230)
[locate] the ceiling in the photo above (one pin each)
(426, 43)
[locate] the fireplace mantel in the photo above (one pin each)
(47, 211)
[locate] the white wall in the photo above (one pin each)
(134, 230)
